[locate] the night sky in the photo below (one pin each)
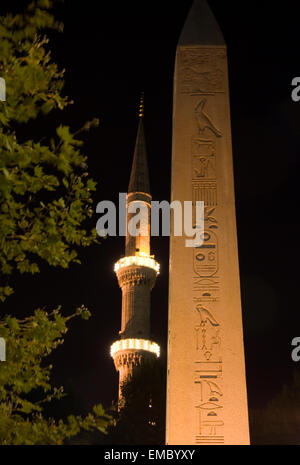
(112, 51)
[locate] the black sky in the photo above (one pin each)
(111, 52)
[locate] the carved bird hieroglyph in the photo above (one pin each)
(204, 121)
(205, 316)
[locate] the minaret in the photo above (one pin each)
(136, 272)
(206, 383)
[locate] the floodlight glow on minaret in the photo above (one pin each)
(141, 344)
(136, 273)
(139, 260)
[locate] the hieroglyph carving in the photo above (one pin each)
(201, 70)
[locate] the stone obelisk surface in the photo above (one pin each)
(206, 386)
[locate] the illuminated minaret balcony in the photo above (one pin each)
(136, 273)
(139, 260)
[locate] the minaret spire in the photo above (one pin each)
(141, 106)
(136, 272)
(139, 178)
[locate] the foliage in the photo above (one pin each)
(141, 416)
(45, 192)
(45, 205)
(25, 382)
(278, 421)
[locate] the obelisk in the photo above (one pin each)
(206, 384)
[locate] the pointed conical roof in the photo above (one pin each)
(139, 178)
(201, 26)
